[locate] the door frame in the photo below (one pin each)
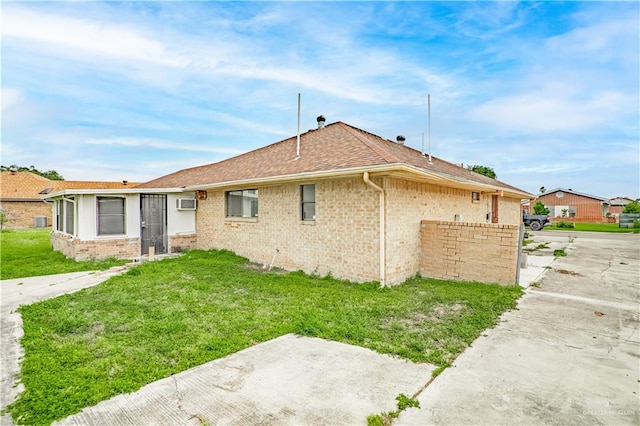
(158, 240)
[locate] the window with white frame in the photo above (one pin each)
(308, 195)
(65, 212)
(111, 216)
(69, 215)
(242, 203)
(58, 205)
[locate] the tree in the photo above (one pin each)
(539, 208)
(632, 207)
(483, 170)
(49, 174)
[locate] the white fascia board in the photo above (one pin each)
(430, 176)
(112, 192)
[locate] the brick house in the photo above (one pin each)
(21, 196)
(617, 204)
(579, 207)
(335, 200)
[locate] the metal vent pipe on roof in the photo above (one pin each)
(400, 139)
(321, 120)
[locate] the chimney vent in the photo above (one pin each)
(400, 139)
(321, 121)
(124, 182)
(13, 170)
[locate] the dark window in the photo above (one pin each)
(308, 202)
(59, 215)
(242, 203)
(475, 196)
(111, 217)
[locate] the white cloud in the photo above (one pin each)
(160, 144)
(11, 97)
(83, 38)
(549, 110)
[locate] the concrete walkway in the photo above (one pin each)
(569, 354)
(24, 291)
(290, 380)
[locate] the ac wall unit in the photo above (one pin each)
(186, 203)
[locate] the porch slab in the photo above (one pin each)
(287, 380)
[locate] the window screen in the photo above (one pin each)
(242, 203)
(111, 217)
(308, 202)
(69, 214)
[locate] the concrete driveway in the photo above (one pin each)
(569, 355)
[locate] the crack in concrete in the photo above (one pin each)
(179, 396)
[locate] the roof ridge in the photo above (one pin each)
(359, 134)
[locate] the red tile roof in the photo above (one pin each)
(334, 147)
(28, 186)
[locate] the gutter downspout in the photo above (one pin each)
(383, 265)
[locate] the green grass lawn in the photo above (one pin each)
(27, 252)
(167, 316)
(593, 227)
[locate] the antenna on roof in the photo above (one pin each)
(298, 137)
(429, 123)
(422, 150)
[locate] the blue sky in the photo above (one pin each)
(545, 93)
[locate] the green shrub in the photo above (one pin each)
(632, 207)
(565, 224)
(636, 223)
(539, 208)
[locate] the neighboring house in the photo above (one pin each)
(617, 204)
(21, 196)
(21, 199)
(340, 201)
(574, 206)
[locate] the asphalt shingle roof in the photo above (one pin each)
(334, 147)
(30, 186)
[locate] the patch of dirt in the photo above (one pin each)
(565, 272)
(441, 312)
(259, 267)
(438, 313)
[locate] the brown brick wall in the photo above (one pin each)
(587, 209)
(469, 251)
(74, 248)
(21, 214)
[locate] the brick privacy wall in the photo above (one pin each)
(458, 251)
(409, 203)
(587, 209)
(21, 214)
(72, 247)
(343, 240)
(182, 242)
